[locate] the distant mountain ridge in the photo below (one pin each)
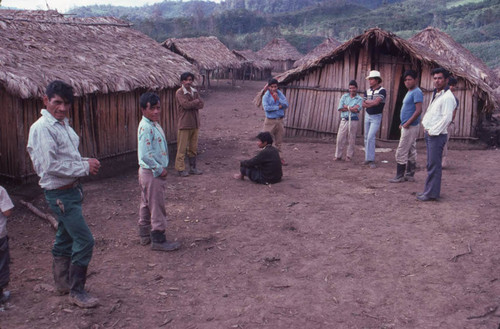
(250, 24)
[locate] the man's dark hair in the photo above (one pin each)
(353, 83)
(150, 98)
(186, 75)
(61, 89)
(265, 136)
(411, 73)
(438, 70)
(452, 81)
(272, 81)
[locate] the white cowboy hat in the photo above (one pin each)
(374, 74)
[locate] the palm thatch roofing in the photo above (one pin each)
(94, 55)
(207, 53)
(279, 50)
(415, 52)
(324, 48)
(250, 57)
(447, 48)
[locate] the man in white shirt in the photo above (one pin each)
(53, 148)
(435, 122)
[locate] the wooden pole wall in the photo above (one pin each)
(315, 96)
(106, 123)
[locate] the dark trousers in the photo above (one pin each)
(4, 262)
(73, 237)
(253, 174)
(435, 145)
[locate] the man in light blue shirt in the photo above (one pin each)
(349, 106)
(406, 154)
(152, 153)
(275, 103)
(53, 148)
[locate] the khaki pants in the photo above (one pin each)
(343, 136)
(187, 142)
(152, 208)
(407, 148)
(275, 127)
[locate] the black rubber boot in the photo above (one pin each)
(60, 269)
(145, 234)
(400, 174)
(410, 171)
(160, 243)
(192, 167)
(78, 295)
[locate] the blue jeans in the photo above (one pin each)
(73, 237)
(435, 145)
(372, 123)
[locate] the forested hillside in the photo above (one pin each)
(243, 24)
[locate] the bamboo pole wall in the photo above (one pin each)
(106, 123)
(315, 96)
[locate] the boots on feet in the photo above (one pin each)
(78, 295)
(400, 174)
(60, 269)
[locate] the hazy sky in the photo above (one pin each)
(63, 5)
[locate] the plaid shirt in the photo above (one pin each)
(53, 148)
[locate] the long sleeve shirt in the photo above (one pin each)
(439, 113)
(53, 148)
(5, 205)
(272, 107)
(346, 99)
(268, 162)
(152, 149)
(188, 105)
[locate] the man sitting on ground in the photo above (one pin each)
(265, 167)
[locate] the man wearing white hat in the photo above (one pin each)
(373, 103)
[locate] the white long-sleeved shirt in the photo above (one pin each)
(5, 205)
(53, 148)
(439, 113)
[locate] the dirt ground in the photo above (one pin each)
(334, 245)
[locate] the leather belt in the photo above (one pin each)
(68, 186)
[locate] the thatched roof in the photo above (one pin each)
(279, 50)
(413, 51)
(324, 48)
(447, 48)
(250, 57)
(92, 54)
(207, 53)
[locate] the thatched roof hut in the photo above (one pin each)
(322, 49)
(108, 64)
(315, 88)
(206, 53)
(459, 57)
(252, 66)
(280, 53)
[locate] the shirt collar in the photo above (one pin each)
(149, 121)
(187, 91)
(47, 115)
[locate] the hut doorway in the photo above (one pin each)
(395, 132)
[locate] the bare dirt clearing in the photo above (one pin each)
(334, 245)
